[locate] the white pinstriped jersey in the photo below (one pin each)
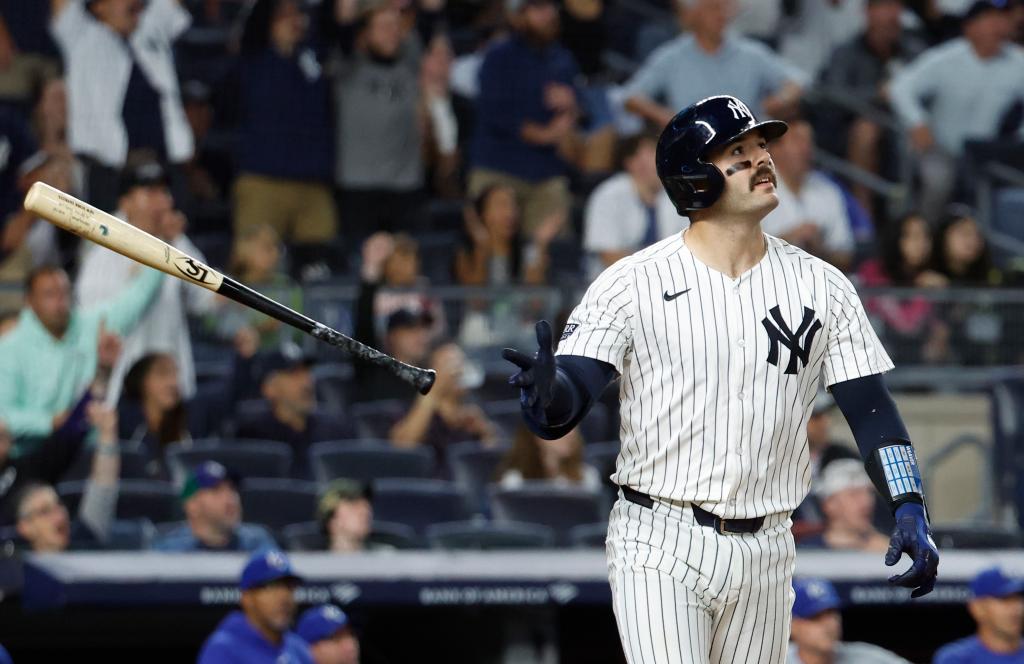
(719, 374)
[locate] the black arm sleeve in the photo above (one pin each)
(871, 413)
(881, 437)
(579, 381)
(57, 453)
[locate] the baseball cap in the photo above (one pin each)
(287, 356)
(321, 622)
(207, 475)
(839, 475)
(408, 317)
(265, 567)
(142, 174)
(992, 582)
(340, 490)
(979, 7)
(814, 596)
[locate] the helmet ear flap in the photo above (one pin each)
(694, 191)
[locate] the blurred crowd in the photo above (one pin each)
(393, 146)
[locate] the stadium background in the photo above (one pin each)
(411, 167)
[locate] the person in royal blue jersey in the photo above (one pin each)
(260, 632)
(997, 605)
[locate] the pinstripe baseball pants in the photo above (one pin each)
(685, 594)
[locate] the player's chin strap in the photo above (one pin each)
(894, 472)
(882, 438)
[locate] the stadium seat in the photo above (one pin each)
(976, 537)
(375, 418)
(392, 535)
(482, 535)
(368, 460)
(136, 499)
(130, 535)
(134, 464)
(275, 503)
(333, 381)
(418, 503)
(588, 536)
(305, 536)
(602, 456)
(472, 467)
(252, 459)
(507, 414)
(551, 505)
(308, 536)
(1008, 209)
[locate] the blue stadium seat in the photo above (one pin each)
(368, 460)
(507, 414)
(134, 464)
(418, 503)
(275, 503)
(472, 467)
(130, 535)
(374, 419)
(588, 536)
(602, 456)
(136, 499)
(1007, 212)
(392, 535)
(305, 536)
(263, 458)
(482, 535)
(548, 504)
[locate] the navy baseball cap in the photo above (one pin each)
(207, 475)
(813, 597)
(321, 622)
(265, 567)
(285, 357)
(992, 582)
(143, 174)
(979, 7)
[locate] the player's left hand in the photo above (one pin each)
(913, 537)
(536, 376)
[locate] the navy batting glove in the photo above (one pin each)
(913, 537)
(536, 374)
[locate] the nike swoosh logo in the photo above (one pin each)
(669, 298)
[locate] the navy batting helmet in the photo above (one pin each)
(691, 182)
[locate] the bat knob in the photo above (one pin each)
(425, 380)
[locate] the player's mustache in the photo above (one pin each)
(761, 172)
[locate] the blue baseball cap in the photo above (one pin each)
(265, 567)
(814, 596)
(207, 475)
(321, 622)
(992, 582)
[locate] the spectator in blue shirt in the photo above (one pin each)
(526, 110)
(260, 631)
(997, 605)
(286, 152)
(710, 60)
(330, 637)
(213, 511)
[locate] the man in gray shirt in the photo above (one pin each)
(817, 630)
(973, 83)
(710, 60)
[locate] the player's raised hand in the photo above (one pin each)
(536, 374)
(913, 537)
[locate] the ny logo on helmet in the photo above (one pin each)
(779, 333)
(739, 110)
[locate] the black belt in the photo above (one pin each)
(703, 517)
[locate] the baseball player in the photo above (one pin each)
(720, 335)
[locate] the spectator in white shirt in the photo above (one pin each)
(988, 72)
(146, 203)
(122, 86)
(812, 210)
(630, 210)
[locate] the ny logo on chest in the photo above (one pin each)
(779, 334)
